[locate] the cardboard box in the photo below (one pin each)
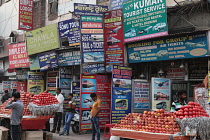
(49, 136)
(190, 132)
(32, 135)
(3, 133)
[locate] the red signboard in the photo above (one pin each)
(101, 85)
(21, 86)
(18, 56)
(25, 15)
(113, 37)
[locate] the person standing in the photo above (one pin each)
(95, 110)
(70, 110)
(17, 113)
(176, 105)
(58, 114)
(5, 96)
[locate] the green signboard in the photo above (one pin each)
(42, 39)
(144, 19)
(92, 18)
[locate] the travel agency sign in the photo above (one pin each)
(144, 19)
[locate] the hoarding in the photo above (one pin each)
(116, 4)
(69, 58)
(121, 92)
(42, 39)
(34, 62)
(144, 19)
(65, 77)
(113, 37)
(35, 82)
(26, 14)
(6, 85)
(21, 86)
(170, 48)
(13, 84)
(101, 85)
(70, 29)
(161, 89)
(89, 9)
(18, 56)
(93, 69)
(48, 61)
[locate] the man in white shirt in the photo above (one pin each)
(58, 114)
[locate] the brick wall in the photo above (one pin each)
(39, 14)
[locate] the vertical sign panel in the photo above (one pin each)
(35, 82)
(76, 93)
(65, 78)
(121, 92)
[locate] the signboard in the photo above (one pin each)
(69, 58)
(26, 13)
(101, 85)
(13, 84)
(89, 9)
(35, 82)
(175, 73)
(48, 61)
(52, 80)
(116, 4)
(121, 92)
(6, 85)
(76, 93)
(34, 62)
(65, 77)
(70, 29)
(174, 47)
(92, 39)
(21, 86)
(113, 37)
(21, 74)
(161, 94)
(144, 19)
(197, 70)
(42, 39)
(93, 69)
(141, 95)
(18, 56)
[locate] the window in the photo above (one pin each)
(53, 6)
(12, 40)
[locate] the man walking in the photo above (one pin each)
(95, 110)
(70, 110)
(17, 113)
(58, 114)
(5, 97)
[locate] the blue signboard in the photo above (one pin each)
(76, 93)
(89, 9)
(116, 4)
(93, 69)
(48, 61)
(70, 29)
(65, 77)
(69, 58)
(175, 47)
(121, 92)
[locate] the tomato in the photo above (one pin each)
(191, 103)
(186, 109)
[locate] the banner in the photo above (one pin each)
(116, 4)
(35, 82)
(21, 86)
(34, 62)
(89, 9)
(52, 83)
(141, 95)
(76, 93)
(121, 92)
(113, 37)
(93, 69)
(26, 15)
(101, 85)
(170, 48)
(13, 84)
(69, 58)
(18, 56)
(42, 39)
(6, 86)
(48, 61)
(65, 77)
(92, 39)
(161, 89)
(144, 19)
(70, 29)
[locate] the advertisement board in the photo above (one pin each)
(18, 56)
(69, 58)
(89, 9)
(22, 74)
(141, 95)
(144, 19)
(13, 84)
(101, 85)
(121, 92)
(170, 48)
(6, 85)
(175, 73)
(93, 69)
(21, 86)
(76, 93)
(65, 77)
(52, 82)
(116, 4)
(92, 39)
(48, 61)
(161, 89)
(42, 39)
(70, 29)
(34, 62)
(35, 82)
(113, 37)
(26, 15)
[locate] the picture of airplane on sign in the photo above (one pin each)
(114, 30)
